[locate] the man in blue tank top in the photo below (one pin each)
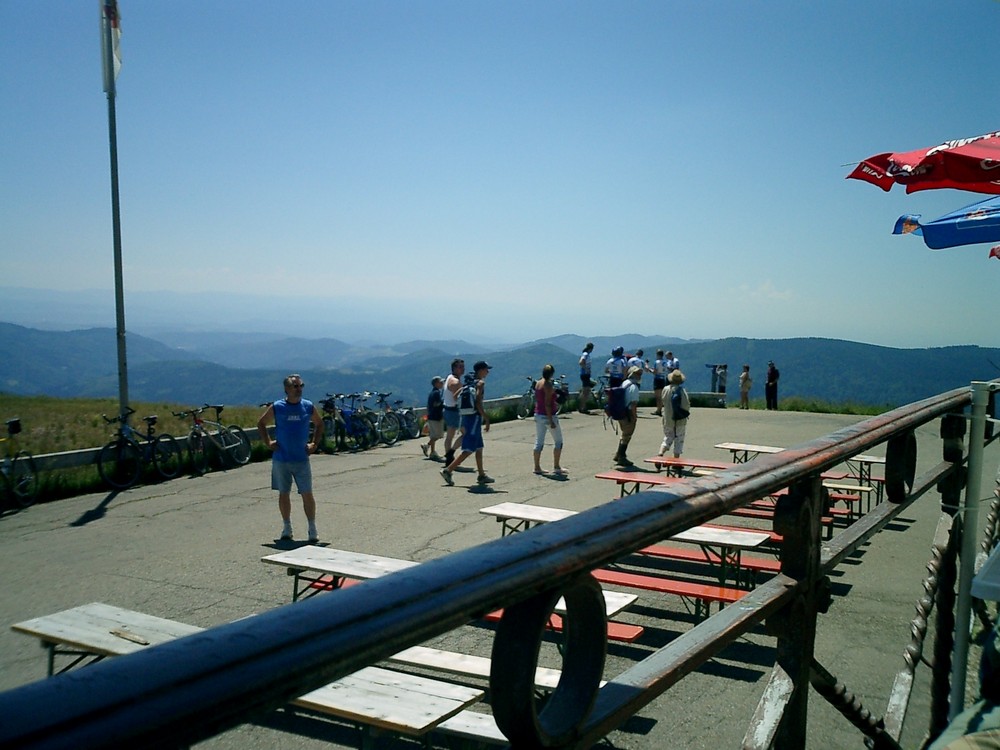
(291, 446)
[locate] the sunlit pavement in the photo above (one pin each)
(190, 550)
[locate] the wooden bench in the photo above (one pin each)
(699, 593)
(638, 478)
(373, 697)
(677, 466)
(728, 543)
(325, 569)
(700, 554)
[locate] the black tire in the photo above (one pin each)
(526, 406)
(167, 456)
(388, 428)
(23, 479)
(409, 424)
(237, 445)
(357, 433)
(119, 464)
(329, 443)
(600, 397)
(198, 453)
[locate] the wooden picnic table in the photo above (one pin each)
(676, 466)
(726, 545)
(625, 479)
(741, 451)
(373, 696)
(317, 569)
(861, 466)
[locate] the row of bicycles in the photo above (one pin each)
(349, 424)
(122, 461)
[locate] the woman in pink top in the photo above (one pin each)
(547, 419)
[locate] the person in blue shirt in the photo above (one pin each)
(290, 448)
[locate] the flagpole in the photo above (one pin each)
(109, 14)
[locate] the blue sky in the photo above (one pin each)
(503, 171)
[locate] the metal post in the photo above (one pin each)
(970, 531)
(109, 86)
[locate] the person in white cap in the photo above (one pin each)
(628, 422)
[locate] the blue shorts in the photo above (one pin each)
(472, 435)
(452, 418)
(283, 472)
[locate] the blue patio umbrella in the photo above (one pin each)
(979, 222)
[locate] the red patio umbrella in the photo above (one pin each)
(971, 164)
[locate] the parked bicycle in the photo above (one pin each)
(345, 425)
(526, 406)
(121, 461)
(229, 442)
(18, 469)
(387, 422)
(600, 392)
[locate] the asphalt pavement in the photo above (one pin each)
(190, 550)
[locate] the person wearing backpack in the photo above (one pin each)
(474, 423)
(616, 367)
(629, 415)
(676, 410)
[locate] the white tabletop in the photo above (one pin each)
(347, 564)
(749, 447)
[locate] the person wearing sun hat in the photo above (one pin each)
(628, 422)
(676, 409)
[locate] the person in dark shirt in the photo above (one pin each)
(435, 418)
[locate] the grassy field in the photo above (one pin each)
(53, 425)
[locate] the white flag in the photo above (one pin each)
(110, 28)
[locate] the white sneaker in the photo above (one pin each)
(313, 534)
(286, 533)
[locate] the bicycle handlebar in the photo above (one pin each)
(129, 411)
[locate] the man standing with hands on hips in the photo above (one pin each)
(291, 417)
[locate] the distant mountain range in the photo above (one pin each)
(248, 368)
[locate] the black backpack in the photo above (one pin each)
(615, 406)
(679, 411)
(467, 396)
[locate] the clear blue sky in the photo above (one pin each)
(508, 170)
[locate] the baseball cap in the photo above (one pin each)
(481, 365)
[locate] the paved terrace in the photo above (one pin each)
(190, 550)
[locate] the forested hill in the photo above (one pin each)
(84, 363)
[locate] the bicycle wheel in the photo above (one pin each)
(355, 436)
(24, 479)
(198, 452)
(526, 406)
(410, 425)
(237, 445)
(600, 397)
(329, 444)
(119, 463)
(388, 428)
(167, 456)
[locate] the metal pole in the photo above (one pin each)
(970, 531)
(109, 84)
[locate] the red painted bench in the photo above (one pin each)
(625, 478)
(701, 594)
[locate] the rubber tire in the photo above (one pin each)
(239, 453)
(167, 456)
(198, 453)
(119, 464)
(24, 479)
(408, 424)
(526, 406)
(388, 431)
(329, 444)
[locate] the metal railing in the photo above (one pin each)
(186, 690)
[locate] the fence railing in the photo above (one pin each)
(186, 690)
